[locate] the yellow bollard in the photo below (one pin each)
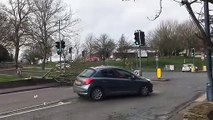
(159, 73)
(193, 69)
(204, 68)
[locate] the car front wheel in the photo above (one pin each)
(144, 91)
(97, 94)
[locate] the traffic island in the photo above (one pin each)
(203, 111)
(159, 76)
(160, 79)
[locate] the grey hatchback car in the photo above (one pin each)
(99, 82)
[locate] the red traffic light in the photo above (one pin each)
(57, 45)
(62, 44)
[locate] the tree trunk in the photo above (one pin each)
(16, 55)
(44, 59)
(124, 62)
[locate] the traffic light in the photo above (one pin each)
(139, 38)
(57, 45)
(83, 53)
(142, 38)
(193, 52)
(62, 44)
(136, 38)
(58, 50)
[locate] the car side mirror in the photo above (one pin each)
(133, 77)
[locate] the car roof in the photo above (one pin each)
(104, 67)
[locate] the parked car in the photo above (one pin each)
(99, 82)
(188, 67)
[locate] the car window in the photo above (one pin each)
(109, 73)
(87, 73)
(98, 74)
(123, 74)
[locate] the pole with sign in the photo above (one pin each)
(156, 59)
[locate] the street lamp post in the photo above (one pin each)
(209, 52)
(156, 59)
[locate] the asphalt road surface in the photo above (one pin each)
(62, 104)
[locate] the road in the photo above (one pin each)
(168, 98)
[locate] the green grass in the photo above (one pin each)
(148, 64)
(7, 78)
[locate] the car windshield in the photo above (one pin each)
(187, 65)
(87, 73)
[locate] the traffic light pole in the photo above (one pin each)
(140, 59)
(60, 41)
(193, 56)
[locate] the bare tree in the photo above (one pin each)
(187, 34)
(203, 36)
(188, 4)
(165, 38)
(104, 46)
(123, 47)
(77, 47)
(89, 43)
(4, 29)
(4, 55)
(48, 18)
(32, 54)
(18, 12)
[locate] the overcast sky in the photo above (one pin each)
(115, 17)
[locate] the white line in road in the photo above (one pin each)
(201, 98)
(33, 110)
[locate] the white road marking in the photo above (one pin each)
(201, 98)
(33, 110)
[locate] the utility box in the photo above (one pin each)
(169, 67)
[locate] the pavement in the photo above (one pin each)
(179, 115)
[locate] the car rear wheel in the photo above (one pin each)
(144, 91)
(97, 94)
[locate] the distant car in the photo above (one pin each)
(63, 65)
(99, 82)
(188, 67)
